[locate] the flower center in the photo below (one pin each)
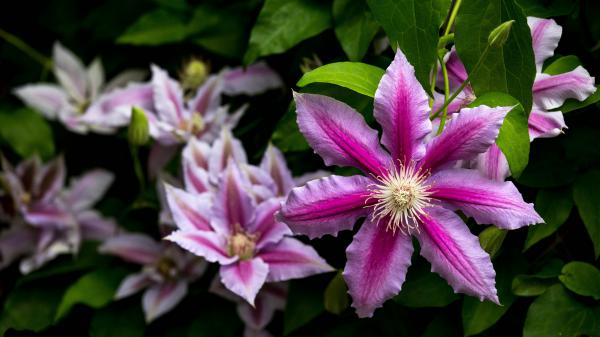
(242, 245)
(167, 268)
(402, 197)
(25, 198)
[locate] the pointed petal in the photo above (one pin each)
(463, 99)
(194, 160)
(168, 97)
(472, 132)
(257, 317)
(125, 77)
(190, 212)
(94, 226)
(132, 284)
(339, 134)
(456, 255)
(95, 77)
(377, 260)
(266, 228)
(70, 72)
(160, 155)
(245, 278)
(252, 80)
(327, 205)
(51, 179)
(487, 201)
(263, 185)
(208, 96)
(291, 259)
(224, 148)
(551, 91)
(274, 163)
(457, 73)
(209, 245)
(48, 99)
(545, 34)
(14, 243)
(545, 124)
(162, 298)
(132, 247)
(47, 214)
(234, 205)
(401, 107)
(492, 164)
(88, 189)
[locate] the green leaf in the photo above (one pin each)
(478, 316)
(510, 68)
(30, 306)
(491, 240)
(546, 9)
(155, 28)
(536, 284)
(223, 32)
(562, 65)
(587, 198)
(95, 289)
(554, 206)
(557, 314)
(360, 77)
(412, 26)
(336, 295)
(282, 24)
(442, 325)
(513, 138)
(423, 288)
(581, 278)
(26, 132)
(572, 104)
(354, 27)
(303, 304)
(120, 319)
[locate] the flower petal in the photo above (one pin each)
(208, 96)
(545, 34)
(401, 107)
(492, 164)
(487, 201)
(95, 78)
(327, 205)
(94, 226)
(234, 205)
(194, 161)
(551, 91)
(168, 97)
(132, 284)
(339, 134)
(456, 254)
(291, 259)
(190, 211)
(545, 124)
(274, 163)
(124, 78)
(457, 73)
(161, 298)
(224, 148)
(465, 136)
(245, 277)
(132, 247)
(160, 155)
(251, 80)
(14, 243)
(88, 189)
(377, 260)
(257, 317)
(265, 227)
(48, 214)
(48, 99)
(51, 179)
(70, 72)
(209, 245)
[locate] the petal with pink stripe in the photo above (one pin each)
(245, 278)
(545, 34)
(132, 247)
(190, 211)
(551, 91)
(162, 298)
(209, 245)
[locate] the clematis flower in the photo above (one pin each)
(165, 275)
(272, 297)
(79, 87)
(46, 218)
(412, 190)
(549, 93)
(229, 226)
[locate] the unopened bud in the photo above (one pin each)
(194, 74)
(139, 133)
(499, 35)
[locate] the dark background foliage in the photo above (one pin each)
(540, 296)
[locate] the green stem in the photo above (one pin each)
(452, 17)
(137, 166)
(446, 94)
(25, 48)
(433, 78)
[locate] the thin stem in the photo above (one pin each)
(25, 48)
(452, 17)
(433, 78)
(446, 94)
(137, 166)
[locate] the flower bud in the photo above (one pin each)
(193, 75)
(499, 35)
(139, 133)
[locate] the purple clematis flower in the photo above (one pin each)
(166, 271)
(238, 230)
(79, 88)
(272, 297)
(46, 219)
(549, 93)
(411, 190)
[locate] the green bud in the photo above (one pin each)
(499, 35)
(193, 75)
(138, 132)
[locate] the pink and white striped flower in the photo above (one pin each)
(412, 189)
